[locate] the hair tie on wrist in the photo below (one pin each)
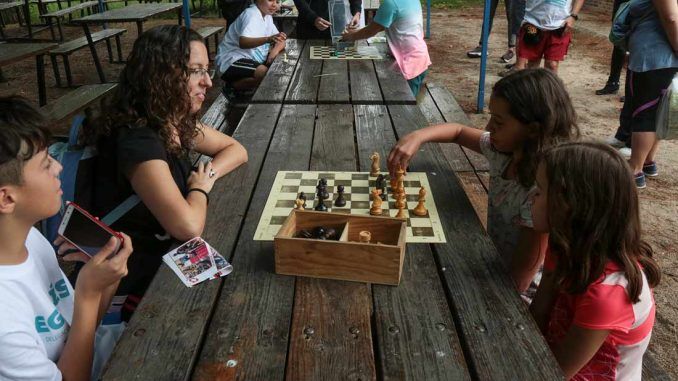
(207, 196)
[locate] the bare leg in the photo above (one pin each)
(643, 148)
(252, 82)
(551, 65)
(533, 63)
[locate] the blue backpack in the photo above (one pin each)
(77, 180)
(623, 23)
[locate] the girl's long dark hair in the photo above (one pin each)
(538, 99)
(153, 89)
(594, 217)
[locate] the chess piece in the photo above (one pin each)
(304, 234)
(302, 196)
(299, 204)
(320, 207)
(331, 234)
(375, 164)
(381, 184)
(319, 233)
(340, 201)
(400, 201)
(394, 186)
(365, 236)
(323, 184)
(420, 209)
(375, 210)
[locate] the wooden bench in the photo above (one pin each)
(75, 101)
(439, 106)
(58, 15)
(16, 5)
(64, 50)
(208, 31)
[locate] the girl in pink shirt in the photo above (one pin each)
(594, 304)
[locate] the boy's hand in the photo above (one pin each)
(348, 34)
(203, 178)
(100, 272)
(402, 152)
(321, 24)
(355, 21)
(277, 38)
(569, 24)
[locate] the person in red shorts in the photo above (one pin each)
(546, 32)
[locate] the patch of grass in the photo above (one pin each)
(452, 4)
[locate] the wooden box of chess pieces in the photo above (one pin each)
(341, 246)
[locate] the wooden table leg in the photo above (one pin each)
(93, 49)
(27, 14)
(42, 92)
(140, 28)
(179, 15)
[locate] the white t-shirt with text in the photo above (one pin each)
(36, 310)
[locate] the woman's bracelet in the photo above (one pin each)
(207, 196)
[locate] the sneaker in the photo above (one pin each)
(614, 142)
(610, 88)
(475, 53)
(626, 152)
(650, 169)
(508, 56)
(640, 180)
(507, 72)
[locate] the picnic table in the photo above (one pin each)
(13, 52)
(454, 316)
(296, 78)
(137, 13)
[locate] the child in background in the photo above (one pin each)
(403, 22)
(47, 330)
(245, 54)
(531, 111)
(595, 303)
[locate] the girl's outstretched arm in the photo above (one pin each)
(408, 146)
(577, 348)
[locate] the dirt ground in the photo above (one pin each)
(455, 32)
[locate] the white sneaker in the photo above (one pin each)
(626, 152)
(614, 142)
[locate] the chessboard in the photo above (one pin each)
(357, 186)
(349, 53)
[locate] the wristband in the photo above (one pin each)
(207, 196)
(575, 16)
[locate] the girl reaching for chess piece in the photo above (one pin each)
(530, 112)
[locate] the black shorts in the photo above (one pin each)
(643, 93)
(242, 68)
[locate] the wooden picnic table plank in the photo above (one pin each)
(340, 347)
(416, 336)
(274, 86)
(14, 52)
(499, 337)
(453, 152)
(76, 100)
(394, 86)
(452, 113)
(249, 333)
(132, 12)
(164, 336)
(364, 83)
(305, 81)
(334, 82)
(10, 5)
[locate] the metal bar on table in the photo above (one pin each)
(42, 91)
(187, 14)
(480, 103)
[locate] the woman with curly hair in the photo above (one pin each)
(143, 138)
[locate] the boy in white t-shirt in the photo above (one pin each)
(47, 330)
(245, 53)
(403, 22)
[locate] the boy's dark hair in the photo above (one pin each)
(538, 97)
(594, 218)
(23, 133)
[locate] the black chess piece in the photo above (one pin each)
(381, 185)
(340, 201)
(331, 234)
(320, 207)
(322, 190)
(319, 232)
